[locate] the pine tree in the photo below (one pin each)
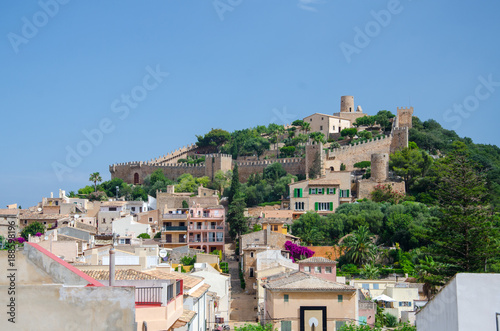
(464, 237)
(235, 184)
(238, 223)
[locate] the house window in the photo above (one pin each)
(297, 193)
(275, 228)
(317, 270)
(344, 193)
(133, 208)
(328, 270)
(323, 206)
(312, 191)
(334, 128)
(112, 209)
(375, 286)
(365, 286)
(330, 190)
(251, 254)
(307, 269)
(251, 272)
(286, 298)
(150, 220)
(340, 298)
(299, 206)
(339, 324)
(404, 304)
(25, 222)
(286, 325)
(363, 320)
(104, 221)
(44, 223)
(321, 127)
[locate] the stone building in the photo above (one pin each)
(379, 177)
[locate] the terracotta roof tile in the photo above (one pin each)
(185, 318)
(126, 274)
(300, 281)
(200, 291)
(189, 281)
(317, 259)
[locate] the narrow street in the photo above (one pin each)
(243, 305)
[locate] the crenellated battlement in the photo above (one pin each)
(284, 161)
(361, 145)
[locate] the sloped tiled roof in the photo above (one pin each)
(9, 211)
(200, 291)
(126, 274)
(189, 281)
(317, 259)
(185, 318)
(300, 282)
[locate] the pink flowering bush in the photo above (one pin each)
(298, 252)
(20, 240)
(38, 234)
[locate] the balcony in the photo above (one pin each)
(175, 216)
(205, 227)
(174, 228)
(150, 296)
(206, 240)
(173, 241)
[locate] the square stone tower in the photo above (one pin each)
(405, 117)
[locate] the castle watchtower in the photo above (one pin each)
(216, 162)
(405, 117)
(347, 104)
(379, 167)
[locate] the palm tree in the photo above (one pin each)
(431, 273)
(370, 271)
(94, 178)
(359, 246)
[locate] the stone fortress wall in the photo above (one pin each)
(135, 172)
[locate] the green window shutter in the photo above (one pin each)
(334, 190)
(331, 206)
(341, 298)
(294, 192)
(316, 206)
(310, 189)
(300, 193)
(324, 190)
(347, 194)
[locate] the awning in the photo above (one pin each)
(384, 297)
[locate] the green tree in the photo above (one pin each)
(255, 327)
(215, 138)
(235, 184)
(144, 236)
(318, 137)
(222, 180)
(370, 271)
(410, 163)
(95, 178)
(287, 151)
(258, 144)
(273, 172)
(238, 223)
(33, 229)
(185, 204)
(359, 246)
(432, 274)
(362, 164)
(351, 132)
(464, 237)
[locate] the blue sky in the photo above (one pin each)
(69, 67)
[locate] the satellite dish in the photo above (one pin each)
(163, 253)
(39, 209)
(46, 238)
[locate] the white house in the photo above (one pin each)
(467, 302)
(128, 228)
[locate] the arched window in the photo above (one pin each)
(136, 178)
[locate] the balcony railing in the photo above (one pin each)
(173, 241)
(205, 240)
(148, 295)
(205, 227)
(174, 228)
(174, 216)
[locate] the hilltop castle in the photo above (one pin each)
(331, 160)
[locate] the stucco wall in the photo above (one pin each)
(58, 307)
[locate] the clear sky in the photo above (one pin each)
(86, 84)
